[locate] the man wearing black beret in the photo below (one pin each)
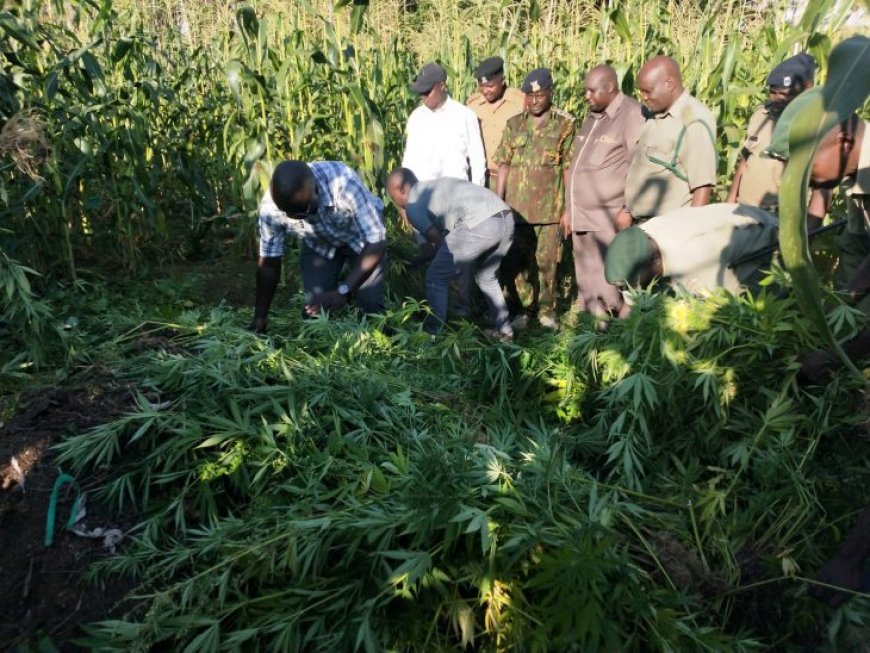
(757, 178)
(533, 155)
(494, 103)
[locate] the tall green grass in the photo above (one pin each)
(151, 139)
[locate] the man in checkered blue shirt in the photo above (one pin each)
(340, 223)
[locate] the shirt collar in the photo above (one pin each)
(614, 106)
(676, 106)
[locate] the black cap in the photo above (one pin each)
(429, 75)
(794, 71)
(539, 79)
(489, 68)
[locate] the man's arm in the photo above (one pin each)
(268, 275)
(503, 172)
(701, 196)
(369, 258)
(699, 159)
(735, 184)
(565, 220)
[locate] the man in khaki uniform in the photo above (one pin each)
(532, 158)
(494, 103)
(674, 163)
(699, 249)
(757, 178)
(595, 184)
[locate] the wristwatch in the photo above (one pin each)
(344, 289)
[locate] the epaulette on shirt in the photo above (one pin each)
(561, 113)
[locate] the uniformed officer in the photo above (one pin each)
(494, 103)
(674, 163)
(698, 249)
(757, 178)
(532, 157)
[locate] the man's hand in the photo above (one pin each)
(258, 325)
(816, 367)
(622, 221)
(565, 224)
(327, 301)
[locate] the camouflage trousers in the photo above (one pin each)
(528, 272)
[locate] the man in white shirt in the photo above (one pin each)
(443, 136)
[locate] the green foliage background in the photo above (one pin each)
(663, 486)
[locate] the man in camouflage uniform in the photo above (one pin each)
(757, 177)
(494, 103)
(532, 157)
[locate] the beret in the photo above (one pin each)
(794, 71)
(539, 79)
(489, 68)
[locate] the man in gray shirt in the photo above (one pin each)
(470, 229)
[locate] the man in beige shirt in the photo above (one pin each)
(494, 103)
(757, 178)
(674, 163)
(595, 184)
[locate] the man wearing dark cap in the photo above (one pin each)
(757, 178)
(698, 249)
(595, 184)
(443, 136)
(674, 163)
(532, 157)
(494, 103)
(339, 222)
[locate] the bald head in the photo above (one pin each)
(601, 88)
(660, 83)
(399, 184)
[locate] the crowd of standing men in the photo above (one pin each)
(492, 188)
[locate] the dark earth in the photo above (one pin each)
(43, 595)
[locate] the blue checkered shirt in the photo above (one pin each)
(348, 214)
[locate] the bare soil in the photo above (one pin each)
(44, 596)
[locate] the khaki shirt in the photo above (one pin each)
(698, 243)
(653, 186)
(537, 156)
(759, 185)
(599, 162)
(493, 118)
(858, 191)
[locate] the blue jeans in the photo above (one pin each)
(466, 251)
(320, 274)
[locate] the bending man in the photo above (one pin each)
(469, 229)
(339, 221)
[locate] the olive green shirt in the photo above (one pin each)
(759, 185)
(699, 244)
(675, 154)
(537, 157)
(493, 117)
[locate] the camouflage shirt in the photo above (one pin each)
(537, 157)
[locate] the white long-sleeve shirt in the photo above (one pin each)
(445, 143)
